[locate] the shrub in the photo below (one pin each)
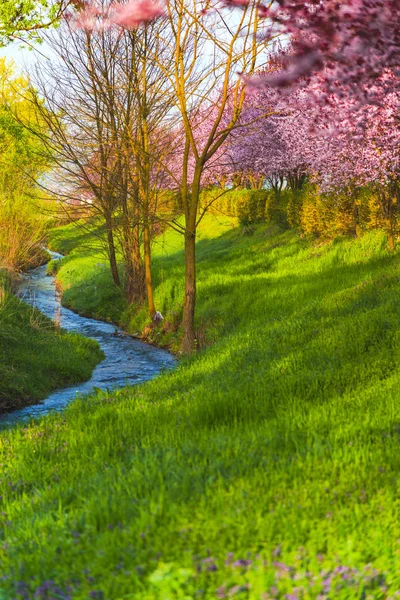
(249, 206)
(346, 212)
(22, 230)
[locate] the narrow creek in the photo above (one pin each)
(127, 361)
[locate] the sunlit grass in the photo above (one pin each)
(267, 464)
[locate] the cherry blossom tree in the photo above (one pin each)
(353, 44)
(272, 144)
(347, 156)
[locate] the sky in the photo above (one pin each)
(23, 57)
(14, 53)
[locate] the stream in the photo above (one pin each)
(128, 361)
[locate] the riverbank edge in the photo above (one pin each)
(122, 330)
(120, 326)
(50, 337)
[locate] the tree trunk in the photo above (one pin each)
(112, 255)
(147, 268)
(388, 212)
(189, 306)
(189, 337)
(138, 264)
(128, 259)
(134, 285)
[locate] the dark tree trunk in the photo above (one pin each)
(388, 205)
(189, 337)
(147, 268)
(112, 255)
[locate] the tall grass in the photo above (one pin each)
(23, 227)
(264, 467)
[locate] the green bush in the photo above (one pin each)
(349, 212)
(346, 212)
(22, 231)
(249, 206)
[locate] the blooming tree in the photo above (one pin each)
(353, 44)
(273, 142)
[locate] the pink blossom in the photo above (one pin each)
(136, 12)
(352, 43)
(87, 19)
(129, 15)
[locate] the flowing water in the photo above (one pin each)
(127, 361)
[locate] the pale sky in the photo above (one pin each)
(23, 57)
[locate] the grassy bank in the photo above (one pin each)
(87, 285)
(35, 356)
(265, 467)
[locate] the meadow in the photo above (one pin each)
(36, 356)
(265, 466)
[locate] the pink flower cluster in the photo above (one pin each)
(351, 43)
(334, 140)
(130, 15)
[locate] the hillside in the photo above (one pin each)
(266, 466)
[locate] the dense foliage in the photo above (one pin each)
(24, 20)
(24, 210)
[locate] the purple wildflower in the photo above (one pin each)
(209, 563)
(242, 562)
(277, 551)
(237, 589)
(327, 584)
(221, 592)
(281, 567)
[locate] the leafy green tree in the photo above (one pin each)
(24, 20)
(22, 222)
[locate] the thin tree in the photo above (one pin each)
(210, 48)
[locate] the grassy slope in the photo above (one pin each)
(87, 284)
(279, 443)
(36, 357)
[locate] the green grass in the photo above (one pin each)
(36, 357)
(87, 283)
(267, 466)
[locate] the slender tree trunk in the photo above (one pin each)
(147, 268)
(189, 338)
(138, 263)
(112, 255)
(189, 307)
(132, 255)
(128, 259)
